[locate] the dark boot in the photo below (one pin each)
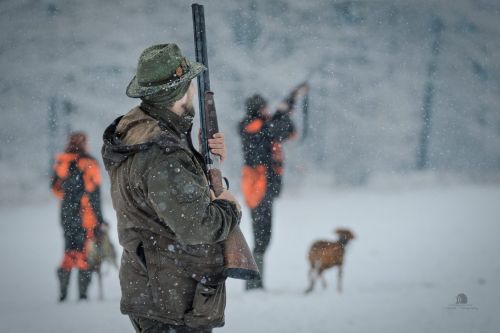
(257, 284)
(84, 277)
(63, 277)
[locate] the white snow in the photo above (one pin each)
(415, 251)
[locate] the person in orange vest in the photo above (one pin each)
(76, 182)
(262, 135)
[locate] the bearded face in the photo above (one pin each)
(187, 107)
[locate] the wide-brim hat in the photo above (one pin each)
(162, 67)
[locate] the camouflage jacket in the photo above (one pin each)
(170, 230)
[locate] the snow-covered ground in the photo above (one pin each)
(415, 251)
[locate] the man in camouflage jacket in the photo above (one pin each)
(169, 224)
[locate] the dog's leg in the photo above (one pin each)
(339, 281)
(313, 274)
(99, 280)
(111, 255)
(323, 280)
(311, 281)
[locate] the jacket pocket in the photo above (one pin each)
(134, 282)
(172, 289)
(139, 251)
(209, 303)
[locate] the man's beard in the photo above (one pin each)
(188, 111)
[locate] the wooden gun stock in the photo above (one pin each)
(215, 180)
(238, 260)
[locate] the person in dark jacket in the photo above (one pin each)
(170, 225)
(76, 182)
(262, 135)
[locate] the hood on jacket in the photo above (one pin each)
(134, 132)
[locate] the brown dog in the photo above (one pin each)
(100, 251)
(327, 254)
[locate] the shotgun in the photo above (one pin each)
(305, 104)
(238, 260)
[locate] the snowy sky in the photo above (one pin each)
(367, 63)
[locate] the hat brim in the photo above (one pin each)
(135, 90)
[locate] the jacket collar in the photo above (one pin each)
(167, 119)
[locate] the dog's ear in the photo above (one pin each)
(344, 233)
(340, 231)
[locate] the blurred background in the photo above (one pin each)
(402, 146)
